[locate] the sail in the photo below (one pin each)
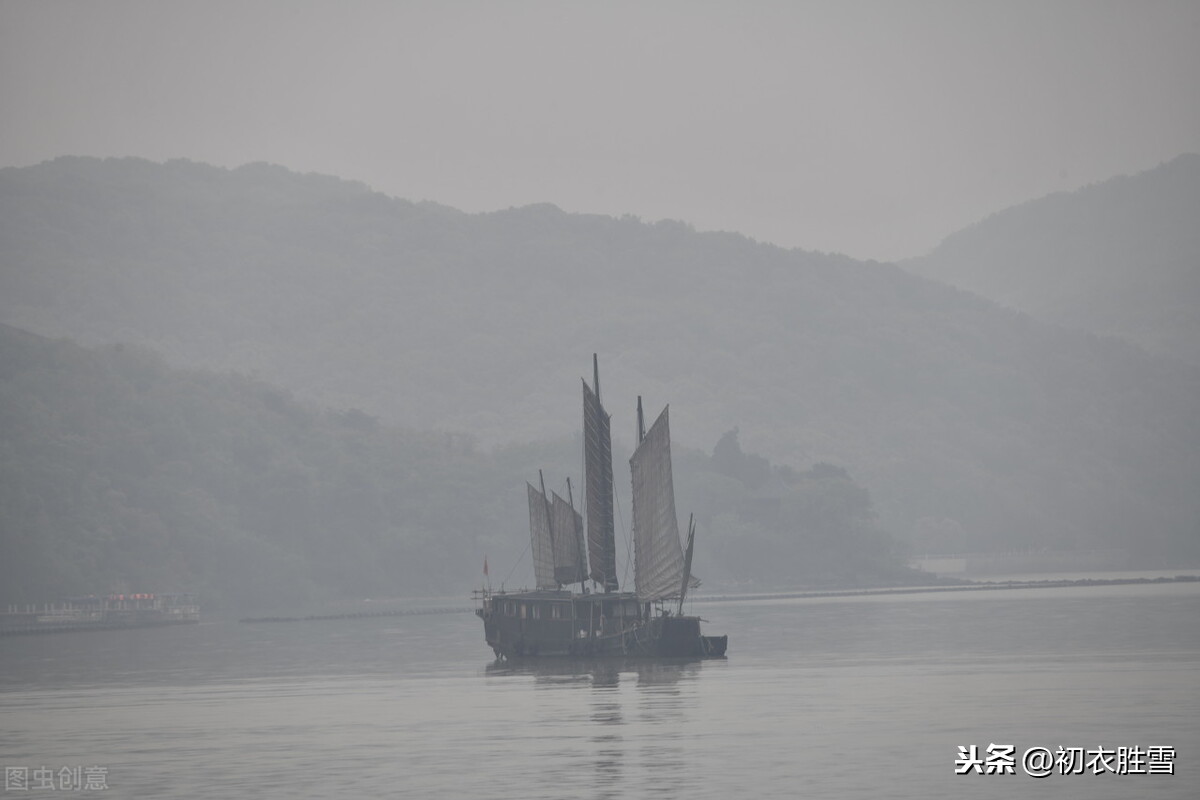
(567, 531)
(598, 480)
(687, 562)
(540, 541)
(658, 555)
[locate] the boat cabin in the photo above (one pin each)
(558, 622)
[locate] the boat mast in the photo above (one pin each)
(580, 544)
(598, 482)
(549, 521)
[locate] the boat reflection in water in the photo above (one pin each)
(647, 622)
(623, 721)
(598, 673)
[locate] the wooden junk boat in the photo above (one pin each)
(553, 620)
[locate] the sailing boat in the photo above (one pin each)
(553, 620)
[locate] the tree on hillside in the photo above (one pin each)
(785, 527)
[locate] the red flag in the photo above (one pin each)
(485, 572)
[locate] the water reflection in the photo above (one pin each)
(633, 715)
(598, 672)
(388, 706)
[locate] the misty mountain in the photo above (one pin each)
(1119, 258)
(973, 427)
(120, 473)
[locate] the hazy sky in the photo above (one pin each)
(871, 128)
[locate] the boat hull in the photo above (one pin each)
(550, 624)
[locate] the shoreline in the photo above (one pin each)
(973, 586)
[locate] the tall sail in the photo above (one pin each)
(540, 539)
(658, 556)
(567, 528)
(597, 459)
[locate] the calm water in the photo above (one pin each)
(846, 698)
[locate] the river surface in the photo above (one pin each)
(854, 697)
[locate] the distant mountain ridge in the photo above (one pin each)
(121, 473)
(1119, 258)
(973, 427)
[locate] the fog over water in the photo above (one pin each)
(823, 697)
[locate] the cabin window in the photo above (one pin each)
(556, 611)
(510, 609)
(535, 612)
(523, 611)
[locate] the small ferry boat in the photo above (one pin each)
(555, 620)
(125, 610)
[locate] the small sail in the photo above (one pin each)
(567, 527)
(687, 562)
(540, 539)
(598, 479)
(658, 555)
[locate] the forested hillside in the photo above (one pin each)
(973, 427)
(1120, 258)
(123, 474)
(120, 473)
